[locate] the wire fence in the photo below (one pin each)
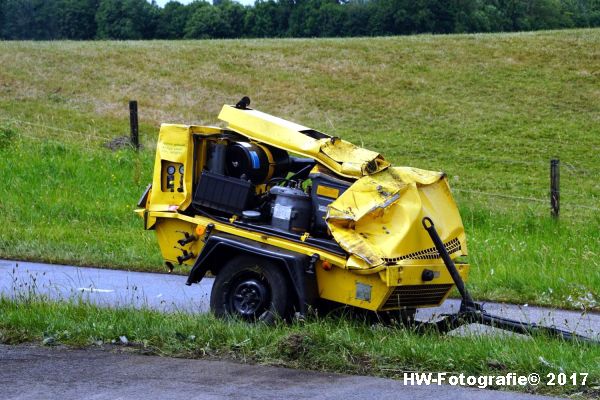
(525, 199)
(87, 135)
(568, 167)
(572, 169)
(500, 195)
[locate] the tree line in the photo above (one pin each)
(140, 19)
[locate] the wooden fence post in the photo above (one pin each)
(133, 124)
(555, 188)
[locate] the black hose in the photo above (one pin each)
(529, 328)
(471, 312)
(439, 245)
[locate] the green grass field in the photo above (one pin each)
(490, 110)
(328, 345)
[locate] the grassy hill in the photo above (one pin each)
(490, 110)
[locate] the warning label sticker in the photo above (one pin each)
(282, 212)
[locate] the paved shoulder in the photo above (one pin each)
(105, 287)
(30, 372)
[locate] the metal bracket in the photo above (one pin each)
(310, 268)
(185, 256)
(208, 231)
(188, 238)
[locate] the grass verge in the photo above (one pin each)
(74, 206)
(332, 345)
(490, 110)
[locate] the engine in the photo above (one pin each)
(264, 185)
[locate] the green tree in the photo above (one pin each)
(304, 19)
(234, 15)
(126, 19)
(546, 14)
(2, 23)
(76, 18)
(172, 21)
(139, 19)
(29, 19)
(207, 22)
(266, 19)
(594, 13)
(382, 19)
(332, 19)
(355, 20)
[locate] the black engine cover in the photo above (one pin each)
(247, 161)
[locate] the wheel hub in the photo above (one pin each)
(249, 297)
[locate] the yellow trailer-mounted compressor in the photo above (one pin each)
(285, 216)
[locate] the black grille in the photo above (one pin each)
(416, 295)
(428, 254)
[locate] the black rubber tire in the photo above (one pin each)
(252, 289)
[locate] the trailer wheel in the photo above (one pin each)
(250, 288)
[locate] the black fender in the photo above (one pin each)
(298, 267)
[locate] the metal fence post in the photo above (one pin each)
(133, 124)
(555, 188)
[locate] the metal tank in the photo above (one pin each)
(292, 209)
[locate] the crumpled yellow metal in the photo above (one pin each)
(339, 155)
(378, 219)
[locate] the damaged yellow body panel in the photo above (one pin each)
(339, 155)
(378, 222)
(378, 219)
(372, 251)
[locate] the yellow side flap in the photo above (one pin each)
(174, 153)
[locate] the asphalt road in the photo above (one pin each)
(169, 293)
(30, 372)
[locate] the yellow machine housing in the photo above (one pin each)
(363, 246)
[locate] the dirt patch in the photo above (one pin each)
(296, 345)
(120, 142)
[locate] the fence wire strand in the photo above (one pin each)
(569, 167)
(506, 196)
(54, 128)
(523, 198)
